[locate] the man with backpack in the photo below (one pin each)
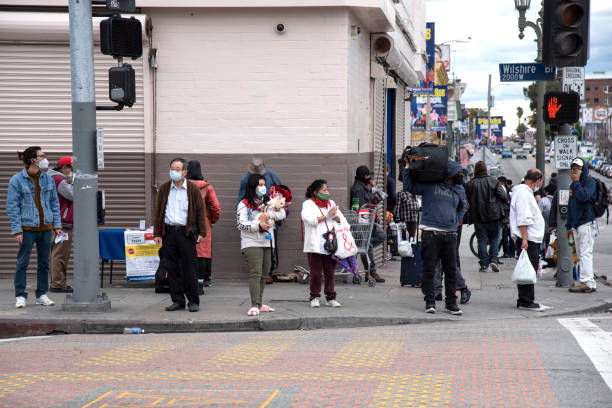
(580, 218)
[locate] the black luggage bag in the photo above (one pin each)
(412, 268)
(432, 166)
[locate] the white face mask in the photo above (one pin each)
(176, 175)
(261, 191)
(43, 164)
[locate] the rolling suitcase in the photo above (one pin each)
(412, 267)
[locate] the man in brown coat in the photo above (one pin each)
(179, 224)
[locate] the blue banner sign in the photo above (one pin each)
(438, 102)
(430, 44)
(526, 72)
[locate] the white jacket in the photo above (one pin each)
(524, 211)
(313, 230)
(250, 233)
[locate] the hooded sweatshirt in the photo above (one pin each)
(582, 194)
(444, 204)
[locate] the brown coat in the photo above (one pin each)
(196, 212)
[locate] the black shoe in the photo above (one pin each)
(175, 306)
(207, 284)
(466, 294)
(430, 308)
(66, 289)
(499, 262)
(200, 290)
(438, 296)
(454, 310)
(483, 269)
(193, 307)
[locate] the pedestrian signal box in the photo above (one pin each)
(121, 37)
(561, 108)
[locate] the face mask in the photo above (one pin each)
(261, 191)
(43, 164)
(176, 175)
(323, 196)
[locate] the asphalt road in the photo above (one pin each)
(543, 363)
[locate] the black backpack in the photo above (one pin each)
(600, 205)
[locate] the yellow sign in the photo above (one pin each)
(139, 251)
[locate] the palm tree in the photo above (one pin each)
(519, 112)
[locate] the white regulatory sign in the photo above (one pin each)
(573, 80)
(565, 151)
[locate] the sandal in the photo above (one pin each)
(253, 311)
(266, 308)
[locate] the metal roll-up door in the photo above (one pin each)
(35, 109)
(400, 125)
(380, 139)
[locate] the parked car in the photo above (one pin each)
(521, 154)
(506, 153)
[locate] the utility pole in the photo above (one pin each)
(86, 296)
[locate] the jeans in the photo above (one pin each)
(585, 240)
(460, 281)
(508, 243)
(488, 232)
(526, 293)
(321, 266)
(259, 260)
(43, 248)
(439, 246)
(378, 237)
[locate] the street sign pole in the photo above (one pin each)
(564, 256)
(86, 295)
(540, 127)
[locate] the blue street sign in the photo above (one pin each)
(526, 72)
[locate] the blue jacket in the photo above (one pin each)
(271, 180)
(582, 194)
(21, 206)
(443, 204)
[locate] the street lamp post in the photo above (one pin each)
(522, 6)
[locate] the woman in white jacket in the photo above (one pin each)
(318, 215)
(256, 224)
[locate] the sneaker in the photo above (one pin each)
(454, 310)
(45, 301)
(483, 269)
(534, 307)
(466, 294)
(20, 302)
(438, 297)
(494, 267)
(333, 303)
(430, 308)
(207, 284)
(315, 302)
(581, 288)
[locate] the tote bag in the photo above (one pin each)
(346, 242)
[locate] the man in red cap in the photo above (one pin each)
(60, 251)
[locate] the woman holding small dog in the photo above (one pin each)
(319, 213)
(255, 216)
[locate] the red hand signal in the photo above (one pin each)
(553, 108)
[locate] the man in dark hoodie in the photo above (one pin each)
(366, 194)
(444, 205)
(487, 199)
(580, 218)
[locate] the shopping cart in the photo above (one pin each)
(362, 224)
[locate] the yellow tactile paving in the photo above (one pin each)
(375, 353)
(132, 354)
(414, 391)
(255, 352)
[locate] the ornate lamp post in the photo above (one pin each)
(522, 6)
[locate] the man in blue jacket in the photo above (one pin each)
(580, 218)
(444, 205)
(33, 209)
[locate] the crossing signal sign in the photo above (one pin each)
(561, 108)
(565, 34)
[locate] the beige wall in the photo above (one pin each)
(227, 82)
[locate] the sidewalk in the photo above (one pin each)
(224, 306)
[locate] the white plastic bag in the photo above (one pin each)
(404, 246)
(346, 242)
(523, 271)
(550, 251)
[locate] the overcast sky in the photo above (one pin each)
(493, 26)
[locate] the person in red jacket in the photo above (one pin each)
(213, 212)
(60, 252)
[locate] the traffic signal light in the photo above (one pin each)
(121, 37)
(561, 108)
(122, 85)
(565, 37)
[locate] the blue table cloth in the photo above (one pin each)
(112, 244)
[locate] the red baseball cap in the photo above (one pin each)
(66, 161)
